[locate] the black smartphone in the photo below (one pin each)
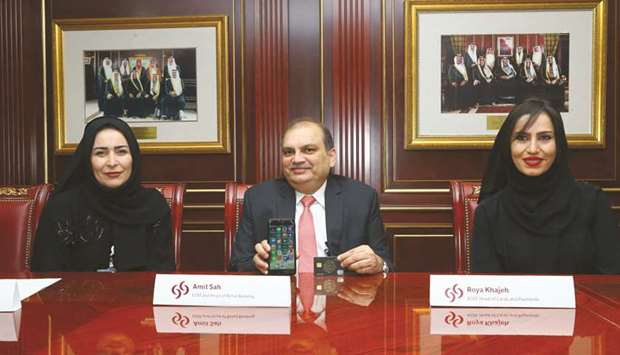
(282, 256)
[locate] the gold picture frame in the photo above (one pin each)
(426, 127)
(206, 37)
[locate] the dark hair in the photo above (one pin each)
(328, 139)
(533, 106)
(500, 161)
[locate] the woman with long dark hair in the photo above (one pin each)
(100, 218)
(533, 216)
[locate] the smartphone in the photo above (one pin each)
(282, 257)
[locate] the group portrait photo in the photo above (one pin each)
(491, 73)
(141, 85)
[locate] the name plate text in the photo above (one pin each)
(222, 290)
(502, 291)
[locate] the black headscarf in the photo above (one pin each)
(543, 205)
(130, 203)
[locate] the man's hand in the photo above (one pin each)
(361, 259)
(361, 290)
(262, 254)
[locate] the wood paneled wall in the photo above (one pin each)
(340, 61)
(347, 29)
(270, 66)
(22, 96)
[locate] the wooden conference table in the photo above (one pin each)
(99, 313)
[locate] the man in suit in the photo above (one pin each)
(345, 213)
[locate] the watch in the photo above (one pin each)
(386, 268)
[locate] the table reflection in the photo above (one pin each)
(223, 320)
(502, 321)
(88, 313)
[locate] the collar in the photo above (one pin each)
(319, 195)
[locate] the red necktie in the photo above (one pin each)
(307, 239)
(306, 295)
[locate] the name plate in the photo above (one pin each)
(9, 296)
(502, 291)
(13, 291)
(222, 320)
(9, 325)
(505, 321)
(222, 290)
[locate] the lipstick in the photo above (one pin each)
(532, 161)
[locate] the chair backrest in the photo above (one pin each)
(20, 209)
(173, 193)
(233, 210)
(464, 202)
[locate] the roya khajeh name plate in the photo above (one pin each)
(502, 291)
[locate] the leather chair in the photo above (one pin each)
(20, 209)
(173, 193)
(233, 211)
(464, 202)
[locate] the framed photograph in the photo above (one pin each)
(468, 64)
(167, 77)
(476, 84)
(505, 45)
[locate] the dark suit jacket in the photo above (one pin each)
(351, 210)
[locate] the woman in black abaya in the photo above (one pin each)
(533, 217)
(100, 218)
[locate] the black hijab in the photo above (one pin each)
(130, 203)
(543, 205)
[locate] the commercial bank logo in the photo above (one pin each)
(180, 289)
(454, 292)
(453, 319)
(180, 320)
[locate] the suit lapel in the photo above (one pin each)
(285, 201)
(334, 212)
